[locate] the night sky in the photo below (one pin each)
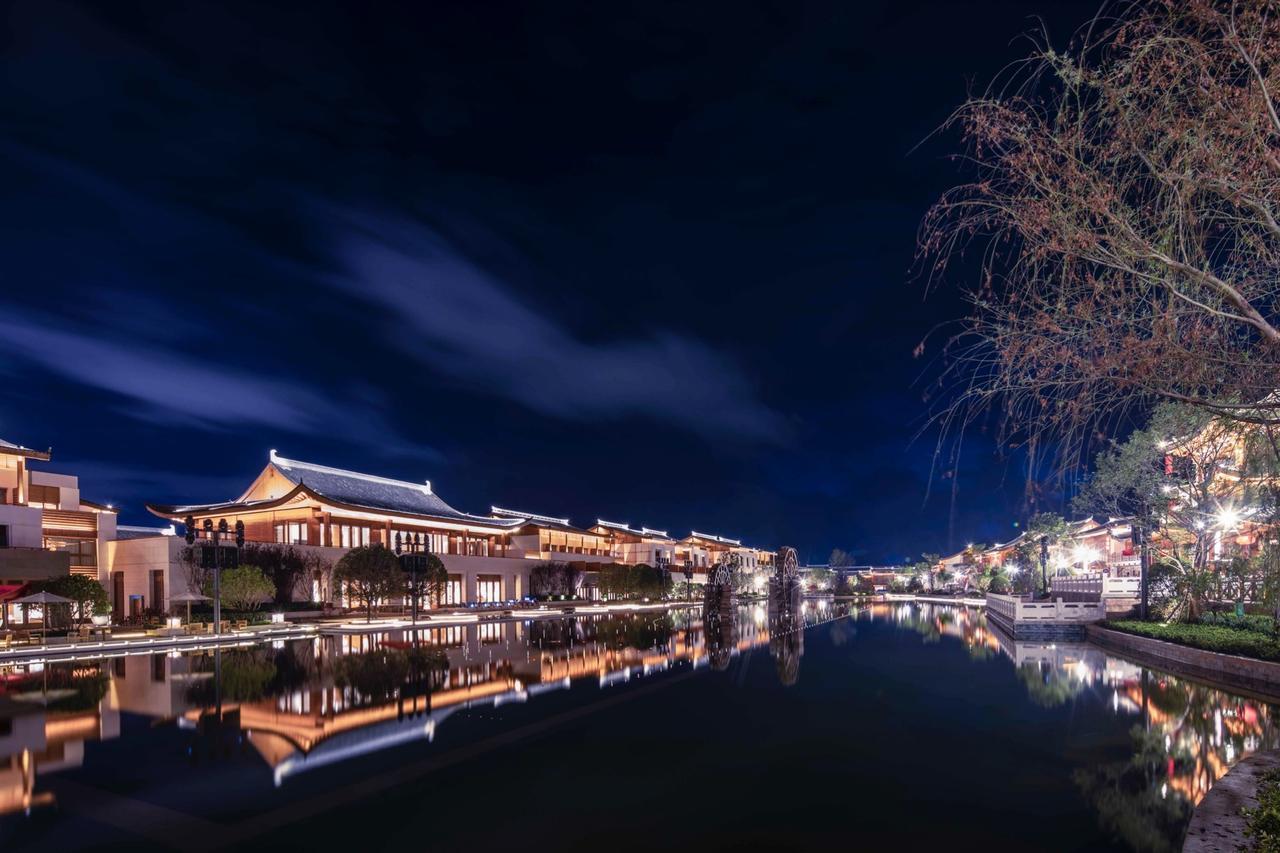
(645, 261)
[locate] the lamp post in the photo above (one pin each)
(1044, 563)
(414, 558)
(1144, 559)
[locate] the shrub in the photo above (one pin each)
(1264, 821)
(1212, 638)
(1228, 619)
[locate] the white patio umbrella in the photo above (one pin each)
(188, 597)
(44, 599)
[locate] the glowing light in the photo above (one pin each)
(1228, 518)
(1083, 555)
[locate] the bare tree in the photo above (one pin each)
(1122, 227)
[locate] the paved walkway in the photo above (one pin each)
(1217, 825)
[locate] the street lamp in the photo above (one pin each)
(412, 561)
(1228, 518)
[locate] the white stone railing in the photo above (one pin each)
(1003, 605)
(1017, 610)
(1090, 587)
(1077, 587)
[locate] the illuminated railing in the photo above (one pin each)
(1021, 610)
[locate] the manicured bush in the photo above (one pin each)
(1264, 821)
(1212, 638)
(1227, 619)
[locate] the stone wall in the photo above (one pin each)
(1256, 676)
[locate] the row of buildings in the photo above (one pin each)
(1214, 492)
(47, 529)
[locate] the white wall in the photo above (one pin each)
(137, 558)
(69, 496)
(25, 530)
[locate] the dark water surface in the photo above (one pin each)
(897, 726)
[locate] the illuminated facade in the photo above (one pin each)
(46, 528)
(326, 511)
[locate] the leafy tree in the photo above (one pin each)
(244, 588)
(369, 573)
(552, 579)
(285, 565)
(925, 566)
(819, 579)
(1169, 477)
(430, 582)
(839, 559)
(86, 594)
(1046, 530)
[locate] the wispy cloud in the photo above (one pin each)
(460, 321)
(164, 384)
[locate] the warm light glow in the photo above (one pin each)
(1083, 555)
(1228, 518)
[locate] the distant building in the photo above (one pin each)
(326, 511)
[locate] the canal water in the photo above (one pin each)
(904, 726)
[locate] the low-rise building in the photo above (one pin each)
(47, 530)
(636, 545)
(327, 511)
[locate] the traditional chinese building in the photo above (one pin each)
(634, 545)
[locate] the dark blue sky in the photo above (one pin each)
(646, 261)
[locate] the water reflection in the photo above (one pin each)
(1185, 736)
(300, 705)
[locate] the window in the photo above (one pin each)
(478, 547)
(292, 533)
(488, 588)
(4, 536)
(84, 552)
(349, 536)
(45, 497)
(453, 590)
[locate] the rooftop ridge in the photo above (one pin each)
(497, 510)
(276, 458)
(715, 538)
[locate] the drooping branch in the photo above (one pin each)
(1123, 216)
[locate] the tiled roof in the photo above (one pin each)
(18, 450)
(528, 516)
(378, 493)
(626, 528)
(711, 537)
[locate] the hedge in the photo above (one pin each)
(1211, 638)
(1249, 622)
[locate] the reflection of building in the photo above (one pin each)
(1199, 731)
(38, 738)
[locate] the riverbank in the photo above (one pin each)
(1218, 825)
(1259, 678)
(936, 599)
(142, 643)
